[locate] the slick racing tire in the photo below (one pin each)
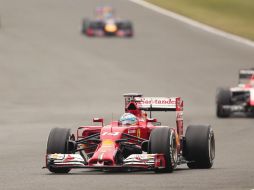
(58, 141)
(223, 98)
(163, 141)
(200, 146)
(85, 25)
(130, 28)
(126, 26)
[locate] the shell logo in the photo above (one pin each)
(107, 143)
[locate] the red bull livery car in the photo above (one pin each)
(134, 142)
(106, 24)
(238, 99)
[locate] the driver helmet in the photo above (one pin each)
(128, 119)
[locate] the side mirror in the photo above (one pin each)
(151, 120)
(98, 120)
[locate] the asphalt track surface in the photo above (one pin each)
(51, 75)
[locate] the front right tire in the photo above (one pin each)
(85, 25)
(58, 142)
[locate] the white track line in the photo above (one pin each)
(194, 23)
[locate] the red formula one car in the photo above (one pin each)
(135, 142)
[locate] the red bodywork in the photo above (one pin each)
(250, 87)
(247, 87)
(104, 153)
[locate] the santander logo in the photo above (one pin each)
(158, 101)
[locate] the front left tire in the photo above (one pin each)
(223, 98)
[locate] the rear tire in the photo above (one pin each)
(200, 146)
(163, 141)
(58, 141)
(223, 98)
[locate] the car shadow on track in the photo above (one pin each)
(99, 172)
(239, 116)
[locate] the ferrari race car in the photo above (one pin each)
(135, 142)
(238, 99)
(106, 24)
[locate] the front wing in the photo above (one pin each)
(133, 162)
(100, 33)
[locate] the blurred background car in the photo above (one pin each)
(106, 24)
(238, 99)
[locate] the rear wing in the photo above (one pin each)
(159, 103)
(135, 103)
(163, 104)
(245, 74)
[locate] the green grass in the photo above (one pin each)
(234, 16)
